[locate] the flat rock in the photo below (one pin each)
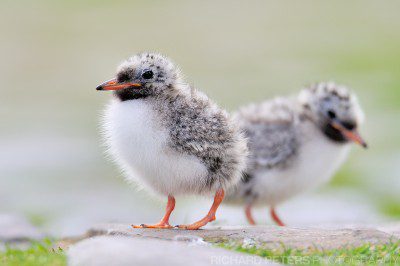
(15, 228)
(262, 236)
(123, 250)
(392, 229)
(17, 232)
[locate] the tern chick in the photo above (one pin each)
(296, 144)
(169, 137)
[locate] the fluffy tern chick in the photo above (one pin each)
(169, 137)
(296, 144)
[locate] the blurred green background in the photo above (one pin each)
(54, 54)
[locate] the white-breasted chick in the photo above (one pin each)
(296, 144)
(169, 137)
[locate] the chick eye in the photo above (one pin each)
(147, 74)
(331, 114)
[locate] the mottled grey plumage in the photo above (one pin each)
(197, 127)
(294, 142)
(271, 131)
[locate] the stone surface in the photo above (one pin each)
(392, 229)
(17, 232)
(126, 251)
(15, 228)
(265, 236)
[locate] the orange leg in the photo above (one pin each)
(249, 216)
(164, 223)
(219, 196)
(275, 217)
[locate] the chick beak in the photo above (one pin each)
(113, 85)
(351, 135)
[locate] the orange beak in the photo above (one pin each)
(113, 85)
(351, 135)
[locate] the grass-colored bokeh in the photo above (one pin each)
(368, 254)
(38, 254)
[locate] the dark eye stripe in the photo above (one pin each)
(331, 114)
(349, 125)
(123, 76)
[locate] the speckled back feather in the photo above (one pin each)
(200, 128)
(271, 131)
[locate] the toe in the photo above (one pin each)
(137, 226)
(188, 227)
(153, 226)
(181, 226)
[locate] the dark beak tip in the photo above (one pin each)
(365, 145)
(99, 88)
